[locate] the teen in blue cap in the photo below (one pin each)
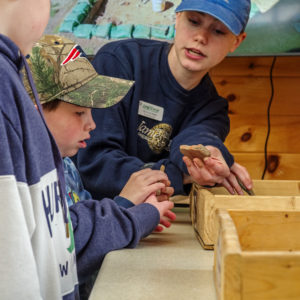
(173, 102)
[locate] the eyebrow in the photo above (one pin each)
(205, 14)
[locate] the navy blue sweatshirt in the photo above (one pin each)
(151, 122)
(38, 257)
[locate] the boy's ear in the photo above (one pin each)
(238, 40)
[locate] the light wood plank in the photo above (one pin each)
(258, 66)
(288, 167)
(248, 134)
(251, 95)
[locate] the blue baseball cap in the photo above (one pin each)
(233, 13)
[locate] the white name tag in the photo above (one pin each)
(151, 111)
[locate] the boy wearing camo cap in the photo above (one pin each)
(68, 87)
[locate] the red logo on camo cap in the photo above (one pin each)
(75, 52)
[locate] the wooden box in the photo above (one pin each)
(257, 255)
(269, 195)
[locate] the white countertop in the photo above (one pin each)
(167, 265)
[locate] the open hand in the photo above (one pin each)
(209, 171)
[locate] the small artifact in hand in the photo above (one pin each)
(194, 151)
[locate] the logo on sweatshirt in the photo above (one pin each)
(75, 53)
(158, 137)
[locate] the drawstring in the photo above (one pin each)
(56, 154)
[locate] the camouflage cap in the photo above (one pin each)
(61, 70)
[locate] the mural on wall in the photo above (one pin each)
(273, 28)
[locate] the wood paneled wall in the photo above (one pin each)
(245, 83)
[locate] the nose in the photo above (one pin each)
(90, 124)
(201, 36)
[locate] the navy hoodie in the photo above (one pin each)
(147, 127)
(37, 255)
(37, 252)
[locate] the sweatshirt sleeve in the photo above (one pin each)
(121, 201)
(212, 129)
(102, 226)
(110, 62)
(19, 276)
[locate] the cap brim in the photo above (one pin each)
(100, 92)
(217, 11)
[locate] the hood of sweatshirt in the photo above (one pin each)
(17, 61)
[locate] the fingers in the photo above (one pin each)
(164, 208)
(201, 173)
(217, 167)
(242, 173)
(165, 194)
(147, 181)
(143, 183)
(217, 161)
(199, 163)
(170, 214)
(148, 176)
(162, 197)
(238, 180)
(210, 170)
(165, 222)
(158, 228)
(187, 161)
(214, 169)
(168, 190)
(157, 186)
(168, 205)
(232, 185)
(228, 187)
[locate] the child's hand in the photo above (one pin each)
(165, 222)
(143, 183)
(166, 192)
(164, 208)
